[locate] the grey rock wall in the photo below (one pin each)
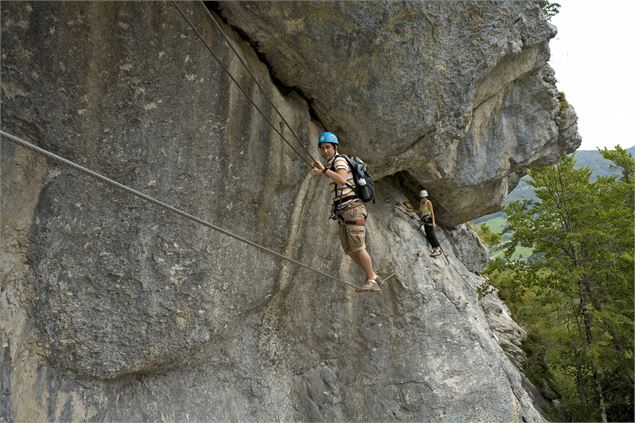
(459, 94)
(115, 310)
(469, 248)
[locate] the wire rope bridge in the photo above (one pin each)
(302, 152)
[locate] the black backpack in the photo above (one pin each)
(364, 186)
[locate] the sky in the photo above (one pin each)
(593, 56)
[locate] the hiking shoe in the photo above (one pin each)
(380, 281)
(435, 252)
(368, 286)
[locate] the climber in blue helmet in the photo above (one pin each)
(347, 209)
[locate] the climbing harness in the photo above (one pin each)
(242, 90)
(341, 205)
(361, 190)
(132, 191)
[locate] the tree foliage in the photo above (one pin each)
(489, 237)
(575, 295)
(550, 9)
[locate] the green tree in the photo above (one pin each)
(622, 160)
(575, 297)
(550, 9)
(489, 237)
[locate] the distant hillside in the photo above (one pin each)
(598, 165)
(590, 158)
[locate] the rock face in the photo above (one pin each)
(508, 333)
(469, 248)
(115, 310)
(458, 95)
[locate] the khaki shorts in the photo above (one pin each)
(353, 237)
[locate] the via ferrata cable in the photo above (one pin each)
(159, 203)
(226, 70)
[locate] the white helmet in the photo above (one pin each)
(423, 193)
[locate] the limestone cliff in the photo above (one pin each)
(459, 95)
(115, 310)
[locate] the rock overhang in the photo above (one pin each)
(459, 95)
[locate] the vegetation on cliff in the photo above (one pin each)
(574, 296)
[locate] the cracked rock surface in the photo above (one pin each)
(459, 94)
(112, 309)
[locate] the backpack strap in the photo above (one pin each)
(333, 163)
(350, 167)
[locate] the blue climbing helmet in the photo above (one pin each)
(328, 137)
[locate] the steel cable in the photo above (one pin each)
(229, 43)
(132, 191)
(242, 90)
(145, 197)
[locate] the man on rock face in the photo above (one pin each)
(347, 209)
